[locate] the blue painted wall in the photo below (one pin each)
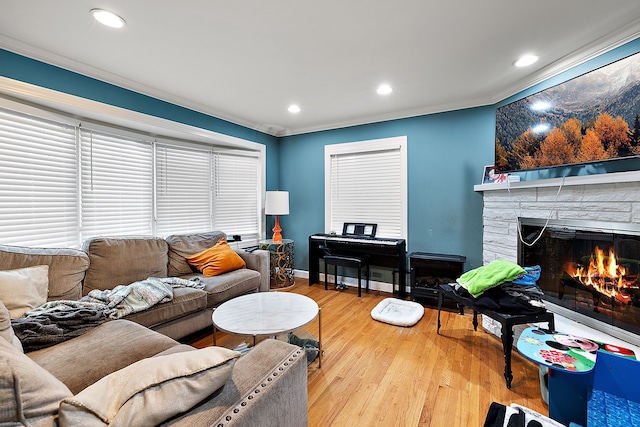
(446, 156)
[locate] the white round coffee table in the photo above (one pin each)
(266, 314)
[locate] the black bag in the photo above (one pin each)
(501, 416)
(311, 347)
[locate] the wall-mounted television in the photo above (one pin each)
(594, 117)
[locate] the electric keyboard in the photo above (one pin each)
(355, 240)
(382, 252)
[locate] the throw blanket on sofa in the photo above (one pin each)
(57, 321)
(138, 296)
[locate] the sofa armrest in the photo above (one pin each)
(259, 261)
(268, 388)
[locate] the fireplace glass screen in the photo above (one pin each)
(594, 273)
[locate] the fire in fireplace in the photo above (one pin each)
(587, 268)
(606, 276)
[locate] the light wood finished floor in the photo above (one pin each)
(376, 374)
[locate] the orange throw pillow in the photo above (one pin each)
(218, 259)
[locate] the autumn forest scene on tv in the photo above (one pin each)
(593, 117)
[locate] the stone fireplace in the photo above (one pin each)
(580, 223)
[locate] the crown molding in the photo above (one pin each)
(395, 115)
(73, 66)
(87, 109)
(592, 50)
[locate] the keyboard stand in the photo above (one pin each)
(379, 252)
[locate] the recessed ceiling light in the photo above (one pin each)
(107, 18)
(526, 60)
(384, 89)
(294, 108)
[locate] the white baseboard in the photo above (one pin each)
(350, 281)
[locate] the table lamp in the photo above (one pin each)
(277, 203)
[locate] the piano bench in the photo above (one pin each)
(346, 261)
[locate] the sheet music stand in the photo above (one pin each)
(359, 229)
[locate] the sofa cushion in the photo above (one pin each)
(151, 391)
(183, 245)
(24, 289)
(123, 260)
(81, 361)
(67, 267)
(218, 259)
(28, 393)
(230, 285)
(185, 301)
(6, 330)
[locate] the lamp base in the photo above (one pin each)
(277, 236)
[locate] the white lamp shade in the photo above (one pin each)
(276, 203)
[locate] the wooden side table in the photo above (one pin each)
(281, 262)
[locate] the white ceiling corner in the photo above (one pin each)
(246, 62)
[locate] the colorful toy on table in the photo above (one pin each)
(565, 352)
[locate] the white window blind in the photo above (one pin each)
(117, 185)
(236, 194)
(367, 183)
(38, 182)
(61, 183)
(183, 195)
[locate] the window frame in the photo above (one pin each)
(363, 147)
(48, 104)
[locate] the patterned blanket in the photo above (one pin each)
(138, 296)
(58, 321)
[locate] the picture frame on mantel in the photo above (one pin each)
(489, 175)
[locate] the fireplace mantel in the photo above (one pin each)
(610, 199)
(606, 178)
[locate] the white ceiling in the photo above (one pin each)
(246, 61)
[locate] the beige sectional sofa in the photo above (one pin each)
(106, 262)
(174, 384)
(81, 381)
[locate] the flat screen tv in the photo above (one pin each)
(594, 117)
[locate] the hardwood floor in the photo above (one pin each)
(376, 374)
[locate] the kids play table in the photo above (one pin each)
(571, 361)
